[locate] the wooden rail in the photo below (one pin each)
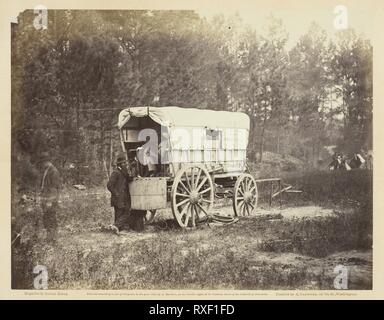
(281, 189)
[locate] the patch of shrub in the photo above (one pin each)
(343, 187)
(321, 236)
(169, 265)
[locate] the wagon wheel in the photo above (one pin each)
(245, 195)
(192, 195)
(149, 216)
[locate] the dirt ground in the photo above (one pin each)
(222, 244)
(296, 246)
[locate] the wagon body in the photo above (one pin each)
(216, 139)
(192, 153)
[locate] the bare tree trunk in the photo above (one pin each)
(261, 146)
(314, 154)
(110, 153)
(106, 169)
(79, 142)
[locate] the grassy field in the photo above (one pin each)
(293, 247)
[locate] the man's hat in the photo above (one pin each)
(120, 159)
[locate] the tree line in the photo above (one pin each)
(70, 81)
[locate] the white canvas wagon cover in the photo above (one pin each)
(187, 117)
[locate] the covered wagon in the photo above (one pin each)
(187, 157)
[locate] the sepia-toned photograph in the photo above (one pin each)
(192, 149)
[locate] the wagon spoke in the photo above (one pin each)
(185, 209)
(247, 207)
(185, 188)
(201, 183)
(242, 209)
(201, 207)
(248, 182)
(240, 198)
(253, 188)
(205, 191)
(187, 179)
(244, 184)
(197, 178)
(182, 202)
(186, 220)
(204, 195)
(241, 187)
(182, 195)
(189, 213)
(205, 200)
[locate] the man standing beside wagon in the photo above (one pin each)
(118, 185)
(120, 198)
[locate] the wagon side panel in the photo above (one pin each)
(224, 148)
(148, 193)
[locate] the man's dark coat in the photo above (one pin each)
(118, 186)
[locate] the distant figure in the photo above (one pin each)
(344, 163)
(336, 162)
(357, 161)
(120, 197)
(339, 163)
(49, 194)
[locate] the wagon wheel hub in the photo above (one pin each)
(194, 197)
(248, 196)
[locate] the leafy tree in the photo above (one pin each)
(267, 63)
(70, 81)
(309, 81)
(353, 76)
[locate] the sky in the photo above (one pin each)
(297, 19)
(362, 15)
